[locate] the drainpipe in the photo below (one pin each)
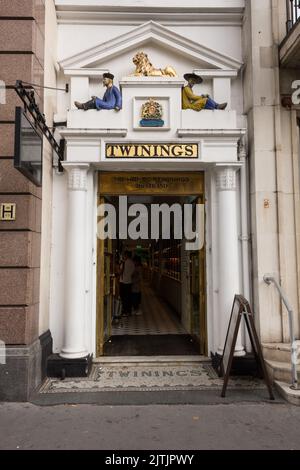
(289, 21)
(278, 135)
(245, 236)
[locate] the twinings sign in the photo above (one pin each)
(151, 150)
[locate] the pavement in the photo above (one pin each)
(230, 425)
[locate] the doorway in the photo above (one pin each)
(171, 317)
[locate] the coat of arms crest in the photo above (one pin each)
(152, 113)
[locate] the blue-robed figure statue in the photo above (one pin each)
(112, 98)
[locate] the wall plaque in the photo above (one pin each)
(8, 212)
(152, 150)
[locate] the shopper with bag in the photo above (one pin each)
(126, 272)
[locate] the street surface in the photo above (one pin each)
(234, 426)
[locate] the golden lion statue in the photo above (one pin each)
(144, 68)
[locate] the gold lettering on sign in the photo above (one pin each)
(8, 212)
(151, 183)
(151, 151)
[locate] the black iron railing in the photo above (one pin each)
(293, 13)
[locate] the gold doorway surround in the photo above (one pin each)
(155, 184)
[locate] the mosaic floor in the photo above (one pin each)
(148, 377)
(156, 319)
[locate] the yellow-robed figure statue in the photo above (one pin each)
(192, 101)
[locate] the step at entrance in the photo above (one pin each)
(156, 345)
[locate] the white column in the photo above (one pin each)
(74, 344)
(228, 244)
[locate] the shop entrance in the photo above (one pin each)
(166, 313)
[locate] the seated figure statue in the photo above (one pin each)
(112, 98)
(197, 103)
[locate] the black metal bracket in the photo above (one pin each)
(26, 94)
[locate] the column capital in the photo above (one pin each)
(226, 178)
(77, 175)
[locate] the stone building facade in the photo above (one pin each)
(26, 54)
(249, 156)
(273, 136)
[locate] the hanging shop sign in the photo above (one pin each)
(152, 150)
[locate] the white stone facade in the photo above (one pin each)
(250, 152)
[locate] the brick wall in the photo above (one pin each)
(22, 30)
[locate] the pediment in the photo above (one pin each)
(151, 33)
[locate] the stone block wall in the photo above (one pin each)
(22, 29)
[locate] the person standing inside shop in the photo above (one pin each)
(137, 286)
(126, 273)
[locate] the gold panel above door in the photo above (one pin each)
(159, 184)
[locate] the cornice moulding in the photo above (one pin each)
(212, 133)
(134, 18)
(75, 72)
(151, 82)
(91, 133)
(211, 73)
